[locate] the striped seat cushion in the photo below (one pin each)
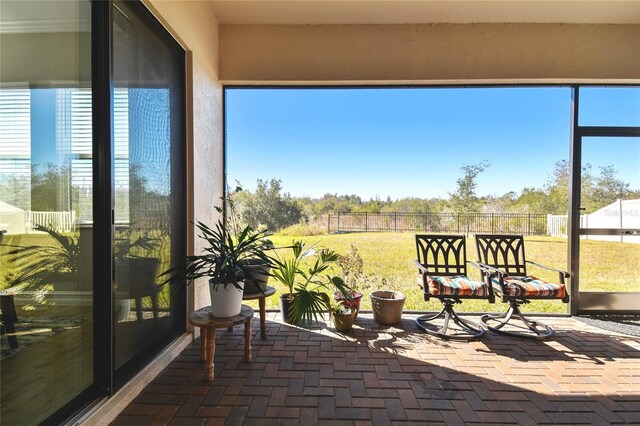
(529, 286)
(458, 285)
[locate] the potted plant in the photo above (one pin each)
(136, 270)
(343, 315)
(304, 276)
(222, 262)
(257, 273)
(255, 269)
(352, 267)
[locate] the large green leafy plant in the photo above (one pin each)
(307, 278)
(227, 245)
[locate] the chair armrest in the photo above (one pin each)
(420, 266)
(563, 274)
(479, 266)
(490, 269)
(485, 274)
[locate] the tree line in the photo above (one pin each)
(269, 206)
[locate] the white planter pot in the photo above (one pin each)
(226, 301)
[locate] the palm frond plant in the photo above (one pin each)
(39, 266)
(307, 278)
(55, 266)
(127, 246)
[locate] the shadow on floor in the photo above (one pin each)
(386, 374)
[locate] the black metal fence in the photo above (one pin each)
(508, 223)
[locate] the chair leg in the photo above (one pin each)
(537, 330)
(467, 331)
(9, 318)
(155, 305)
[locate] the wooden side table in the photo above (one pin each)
(208, 324)
(269, 291)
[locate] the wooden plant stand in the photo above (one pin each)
(208, 324)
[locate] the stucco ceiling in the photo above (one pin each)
(425, 11)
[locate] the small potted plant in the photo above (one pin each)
(304, 276)
(222, 262)
(352, 267)
(343, 315)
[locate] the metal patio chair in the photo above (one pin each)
(442, 262)
(503, 260)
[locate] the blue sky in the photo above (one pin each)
(43, 126)
(403, 142)
(412, 142)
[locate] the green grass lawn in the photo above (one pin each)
(606, 266)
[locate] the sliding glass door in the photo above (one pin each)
(92, 199)
(46, 215)
(148, 180)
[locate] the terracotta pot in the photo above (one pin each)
(344, 323)
(387, 306)
(354, 303)
(285, 308)
(226, 300)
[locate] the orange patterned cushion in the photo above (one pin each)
(458, 285)
(529, 286)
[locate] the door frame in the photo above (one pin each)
(591, 302)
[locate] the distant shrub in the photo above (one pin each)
(353, 274)
(303, 229)
(270, 207)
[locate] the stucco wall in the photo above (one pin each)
(428, 53)
(195, 27)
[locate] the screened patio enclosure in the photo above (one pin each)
(112, 125)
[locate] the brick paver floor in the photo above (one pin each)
(388, 375)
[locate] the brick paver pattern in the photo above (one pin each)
(387, 375)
